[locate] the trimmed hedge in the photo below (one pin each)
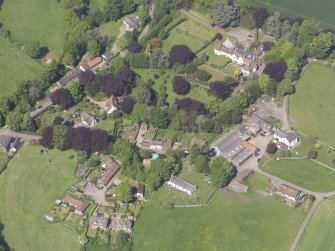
(156, 29)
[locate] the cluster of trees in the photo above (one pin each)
(14, 109)
(117, 84)
(3, 244)
(67, 97)
(224, 13)
(63, 137)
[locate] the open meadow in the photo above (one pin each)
(231, 221)
(312, 106)
(35, 20)
(321, 10)
(29, 188)
(15, 66)
(304, 173)
(319, 233)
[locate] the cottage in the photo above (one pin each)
(108, 175)
(290, 139)
(87, 120)
(138, 190)
(5, 143)
(130, 23)
(79, 205)
(112, 104)
(70, 76)
(290, 192)
(94, 62)
(121, 224)
(182, 185)
(99, 222)
(156, 145)
(107, 55)
(248, 62)
(84, 67)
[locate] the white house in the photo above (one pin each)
(181, 185)
(130, 23)
(112, 104)
(289, 192)
(290, 139)
(247, 61)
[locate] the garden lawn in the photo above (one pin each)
(15, 66)
(111, 29)
(194, 40)
(216, 74)
(96, 4)
(198, 91)
(164, 195)
(29, 188)
(229, 222)
(319, 233)
(304, 173)
(321, 10)
(257, 181)
(35, 20)
(312, 107)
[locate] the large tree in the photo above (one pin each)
(276, 71)
(273, 26)
(219, 89)
(159, 117)
(3, 244)
(62, 97)
(123, 192)
(221, 171)
(127, 105)
(46, 139)
(260, 15)
(180, 54)
(224, 13)
(180, 85)
(322, 45)
(188, 105)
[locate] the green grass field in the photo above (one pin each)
(111, 29)
(29, 188)
(311, 108)
(304, 173)
(257, 181)
(321, 10)
(319, 233)
(229, 222)
(35, 20)
(15, 66)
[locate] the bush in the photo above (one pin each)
(180, 54)
(312, 154)
(203, 75)
(181, 86)
(219, 89)
(271, 148)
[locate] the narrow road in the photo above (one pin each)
(23, 136)
(304, 224)
(115, 49)
(45, 104)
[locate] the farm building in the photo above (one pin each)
(236, 182)
(289, 139)
(181, 185)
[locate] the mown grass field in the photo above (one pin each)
(29, 188)
(304, 173)
(257, 181)
(312, 107)
(319, 233)
(15, 66)
(321, 10)
(194, 39)
(35, 20)
(229, 222)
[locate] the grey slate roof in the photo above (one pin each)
(100, 222)
(291, 137)
(5, 142)
(280, 133)
(182, 183)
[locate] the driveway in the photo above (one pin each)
(43, 105)
(23, 136)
